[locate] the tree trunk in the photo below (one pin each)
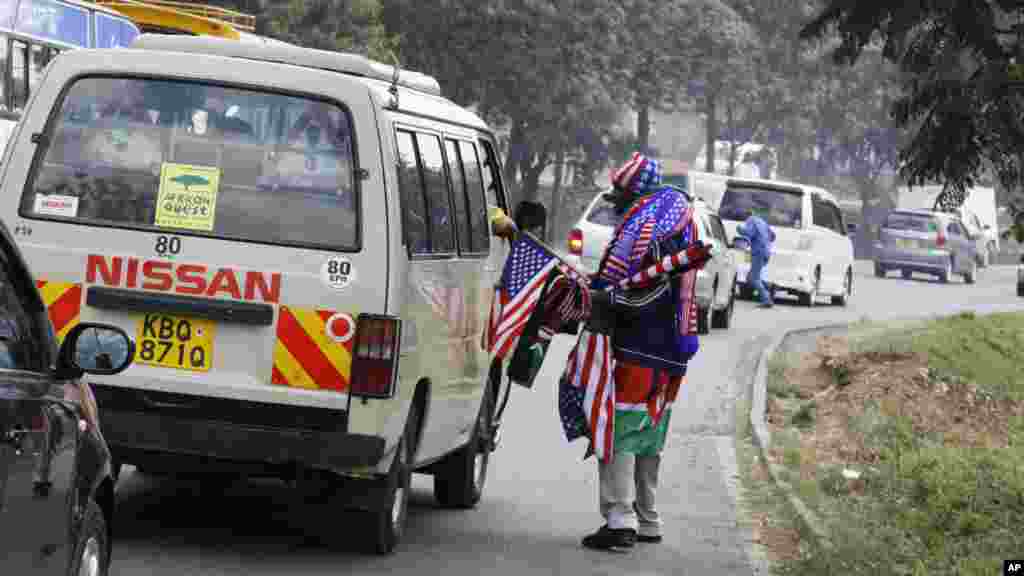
(731, 126)
(530, 185)
(643, 127)
(513, 155)
(556, 197)
(710, 131)
(867, 232)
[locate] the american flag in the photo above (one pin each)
(526, 271)
(587, 393)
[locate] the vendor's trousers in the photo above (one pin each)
(628, 485)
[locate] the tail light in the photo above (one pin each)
(940, 240)
(375, 356)
(576, 242)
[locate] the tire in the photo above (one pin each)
(947, 274)
(115, 468)
(809, 299)
(704, 320)
(460, 478)
(722, 319)
(972, 273)
(746, 292)
(1020, 289)
(90, 552)
(388, 523)
(906, 274)
(879, 270)
(844, 298)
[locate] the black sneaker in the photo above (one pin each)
(648, 539)
(610, 538)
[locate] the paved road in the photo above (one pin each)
(540, 497)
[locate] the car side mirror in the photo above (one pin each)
(91, 348)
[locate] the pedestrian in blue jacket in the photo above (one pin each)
(761, 236)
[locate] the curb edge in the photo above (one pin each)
(762, 437)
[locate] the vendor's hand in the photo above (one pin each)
(503, 226)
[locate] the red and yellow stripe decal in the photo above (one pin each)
(63, 304)
(306, 356)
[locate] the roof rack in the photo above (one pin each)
(238, 20)
(343, 62)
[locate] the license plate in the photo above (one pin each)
(745, 257)
(906, 243)
(175, 342)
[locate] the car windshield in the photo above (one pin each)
(911, 221)
(782, 208)
(190, 157)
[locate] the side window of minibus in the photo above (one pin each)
(414, 205)
(492, 177)
(475, 195)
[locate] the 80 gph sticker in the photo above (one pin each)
(338, 272)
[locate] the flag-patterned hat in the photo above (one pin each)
(639, 176)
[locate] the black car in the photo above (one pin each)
(56, 488)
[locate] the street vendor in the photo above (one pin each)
(654, 336)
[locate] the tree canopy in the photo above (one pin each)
(959, 98)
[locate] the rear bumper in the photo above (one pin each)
(137, 423)
(931, 262)
(790, 274)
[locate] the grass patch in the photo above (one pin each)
(778, 384)
(804, 415)
(913, 458)
(985, 350)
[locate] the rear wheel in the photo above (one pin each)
(388, 522)
(879, 270)
(704, 319)
(1020, 289)
(746, 292)
(844, 298)
(947, 272)
(906, 274)
(723, 318)
(972, 273)
(459, 480)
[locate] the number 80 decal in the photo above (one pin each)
(338, 272)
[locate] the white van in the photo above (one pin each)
(812, 255)
(308, 277)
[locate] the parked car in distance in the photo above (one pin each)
(56, 485)
(716, 282)
(978, 214)
(928, 242)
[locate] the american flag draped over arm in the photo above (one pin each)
(533, 275)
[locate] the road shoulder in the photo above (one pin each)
(838, 414)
